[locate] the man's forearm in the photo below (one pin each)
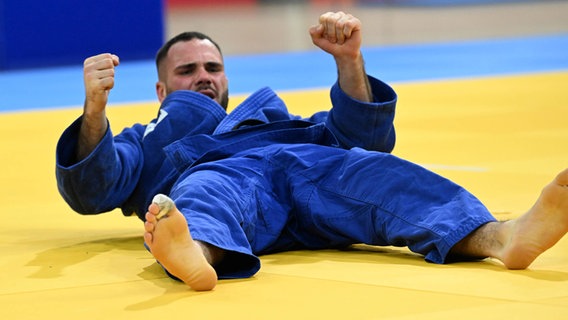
(93, 129)
(353, 78)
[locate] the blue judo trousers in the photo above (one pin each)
(260, 180)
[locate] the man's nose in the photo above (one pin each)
(203, 76)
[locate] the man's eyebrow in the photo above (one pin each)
(192, 65)
(214, 64)
(186, 66)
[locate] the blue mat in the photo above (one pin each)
(135, 81)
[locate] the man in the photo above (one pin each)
(259, 180)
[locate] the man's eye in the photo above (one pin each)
(214, 68)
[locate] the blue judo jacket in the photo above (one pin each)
(126, 171)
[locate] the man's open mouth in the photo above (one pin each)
(208, 92)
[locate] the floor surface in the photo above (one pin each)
(496, 125)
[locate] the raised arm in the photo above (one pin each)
(339, 34)
(98, 76)
(363, 107)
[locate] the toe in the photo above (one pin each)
(562, 178)
(148, 238)
(149, 226)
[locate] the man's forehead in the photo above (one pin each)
(194, 48)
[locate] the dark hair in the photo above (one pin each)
(185, 36)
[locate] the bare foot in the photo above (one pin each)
(538, 229)
(171, 244)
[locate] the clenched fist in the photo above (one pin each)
(98, 73)
(338, 34)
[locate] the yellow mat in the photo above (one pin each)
(502, 138)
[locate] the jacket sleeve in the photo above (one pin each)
(106, 178)
(360, 124)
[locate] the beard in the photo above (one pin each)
(224, 99)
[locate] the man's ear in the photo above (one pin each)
(161, 91)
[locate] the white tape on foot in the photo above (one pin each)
(165, 203)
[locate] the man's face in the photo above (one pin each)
(194, 65)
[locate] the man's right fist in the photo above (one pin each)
(98, 73)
